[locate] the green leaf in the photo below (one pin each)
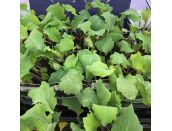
(146, 13)
(118, 71)
(52, 33)
(84, 14)
(115, 100)
(85, 27)
(75, 127)
(102, 6)
(69, 8)
(45, 95)
(125, 47)
(36, 118)
(132, 14)
(145, 37)
(105, 45)
(127, 86)
(127, 121)
(26, 64)
(144, 88)
(96, 23)
(116, 34)
(119, 59)
(51, 127)
(57, 11)
(141, 63)
(103, 93)
(110, 20)
(30, 21)
(56, 116)
(105, 114)
(71, 82)
(88, 41)
(79, 67)
(88, 97)
(23, 32)
(91, 123)
(73, 104)
(65, 44)
(87, 57)
(71, 61)
(112, 81)
(99, 69)
(35, 42)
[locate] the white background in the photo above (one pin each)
(161, 65)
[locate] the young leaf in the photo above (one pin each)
(88, 97)
(127, 121)
(146, 13)
(102, 93)
(119, 59)
(125, 47)
(145, 37)
(69, 8)
(132, 14)
(57, 11)
(105, 114)
(99, 69)
(105, 45)
(115, 100)
(127, 86)
(97, 23)
(36, 118)
(45, 95)
(30, 21)
(35, 42)
(88, 41)
(116, 34)
(141, 63)
(57, 75)
(26, 64)
(71, 82)
(91, 123)
(23, 32)
(144, 88)
(73, 104)
(85, 27)
(102, 7)
(75, 127)
(52, 33)
(112, 81)
(65, 44)
(110, 21)
(71, 61)
(84, 14)
(87, 57)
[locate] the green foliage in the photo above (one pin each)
(127, 86)
(119, 59)
(103, 94)
(71, 82)
(93, 59)
(105, 45)
(88, 97)
(99, 69)
(45, 95)
(91, 123)
(105, 114)
(127, 121)
(44, 100)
